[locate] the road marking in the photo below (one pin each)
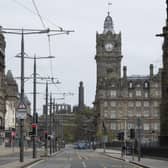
(103, 166)
(35, 163)
(84, 164)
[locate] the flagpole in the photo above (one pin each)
(109, 4)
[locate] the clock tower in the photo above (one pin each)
(108, 59)
(108, 55)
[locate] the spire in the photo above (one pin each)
(108, 23)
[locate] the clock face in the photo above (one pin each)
(108, 47)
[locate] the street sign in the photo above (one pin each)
(21, 111)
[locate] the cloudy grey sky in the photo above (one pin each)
(138, 21)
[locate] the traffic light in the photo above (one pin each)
(120, 136)
(132, 133)
(49, 137)
(34, 129)
(46, 134)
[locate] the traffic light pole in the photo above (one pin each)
(133, 144)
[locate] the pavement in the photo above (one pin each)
(7, 151)
(144, 162)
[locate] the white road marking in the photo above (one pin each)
(103, 166)
(84, 164)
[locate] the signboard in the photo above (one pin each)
(21, 111)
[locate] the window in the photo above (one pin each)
(130, 85)
(105, 104)
(146, 113)
(146, 104)
(146, 84)
(138, 114)
(138, 104)
(146, 126)
(155, 104)
(130, 104)
(113, 126)
(156, 126)
(156, 93)
(113, 93)
(130, 125)
(155, 113)
(138, 93)
(130, 94)
(130, 113)
(146, 94)
(113, 103)
(113, 114)
(105, 114)
(156, 85)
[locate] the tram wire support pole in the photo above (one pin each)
(46, 121)
(22, 99)
(34, 109)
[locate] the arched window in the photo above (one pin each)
(146, 84)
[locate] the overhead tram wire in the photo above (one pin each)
(38, 14)
(34, 13)
(50, 33)
(48, 36)
(49, 39)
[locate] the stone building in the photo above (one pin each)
(121, 101)
(2, 81)
(12, 98)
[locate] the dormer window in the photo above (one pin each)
(130, 85)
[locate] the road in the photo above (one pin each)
(70, 158)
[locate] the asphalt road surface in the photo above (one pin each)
(70, 158)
